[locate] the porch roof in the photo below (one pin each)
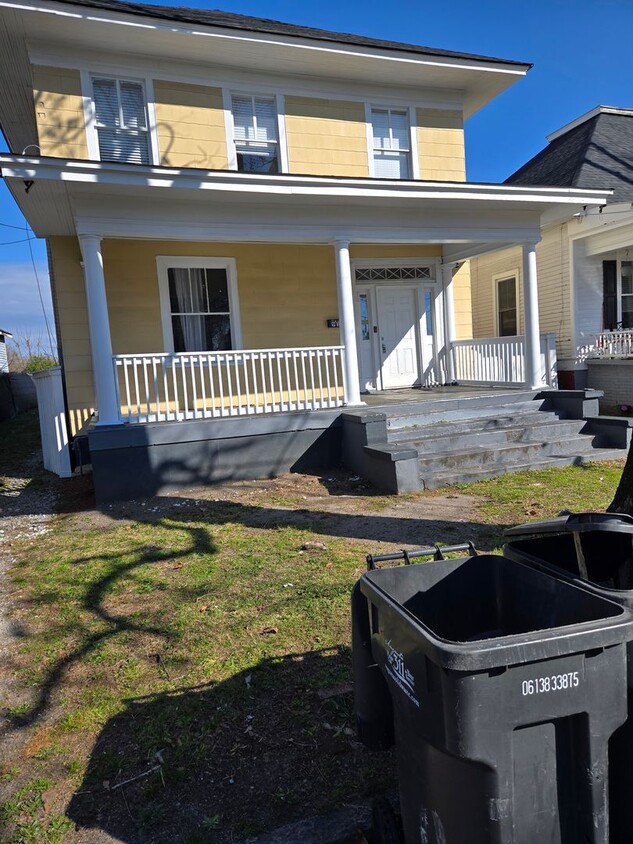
(67, 197)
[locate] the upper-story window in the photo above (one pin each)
(121, 123)
(391, 143)
(255, 133)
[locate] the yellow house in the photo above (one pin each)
(250, 225)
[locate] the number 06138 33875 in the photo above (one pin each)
(553, 683)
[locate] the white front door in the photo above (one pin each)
(398, 343)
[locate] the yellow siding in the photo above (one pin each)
(59, 112)
(440, 137)
(72, 319)
(463, 303)
(326, 137)
(190, 126)
(484, 270)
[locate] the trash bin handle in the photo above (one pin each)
(436, 552)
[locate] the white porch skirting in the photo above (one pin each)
(501, 361)
(209, 385)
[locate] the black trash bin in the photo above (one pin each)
(506, 685)
(594, 550)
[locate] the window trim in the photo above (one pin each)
(414, 159)
(166, 262)
(622, 256)
(90, 111)
(229, 126)
(496, 278)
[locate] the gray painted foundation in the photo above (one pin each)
(136, 461)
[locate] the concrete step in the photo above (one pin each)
(429, 413)
(543, 432)
(539, 425)
(506, 454)
(435, 480)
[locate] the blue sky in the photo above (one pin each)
(578, 48)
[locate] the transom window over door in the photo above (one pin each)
(199, 304)
(391, 143)
(121, 120)
(255, 133)
(507, 306)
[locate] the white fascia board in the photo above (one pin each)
(107, 173)
(268, 39)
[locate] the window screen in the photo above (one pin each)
(392, 143)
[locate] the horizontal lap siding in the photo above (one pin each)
(190, 126)
(483, 270)
(326, 137)
(552, 257)
(59, 112)
(440, 137)
(72, 320)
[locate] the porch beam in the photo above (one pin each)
(533, 375)
(449, 318)
(347, 323)
(99, 327)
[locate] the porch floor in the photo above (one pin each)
(386, 398)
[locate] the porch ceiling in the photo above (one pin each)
(119, 200)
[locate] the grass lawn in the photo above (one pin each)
(180, 667)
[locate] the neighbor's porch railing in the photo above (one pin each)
(610, 344)
(209, 385)
(501, 361)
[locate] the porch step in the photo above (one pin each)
(428, 413)
(464, 476)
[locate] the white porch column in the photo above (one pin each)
(99, 327)
(449, 318)
(532, 329)
(347, 323)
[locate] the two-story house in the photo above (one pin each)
(249, 225)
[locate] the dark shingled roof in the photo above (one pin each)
(229, 20)
(595, 154)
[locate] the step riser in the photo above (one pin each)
(485, 457)
(435, 481)
(525, 435)
(423, 416)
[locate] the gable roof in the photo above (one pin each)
(230, 20)
(594, 151)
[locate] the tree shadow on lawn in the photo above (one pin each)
(232, 759)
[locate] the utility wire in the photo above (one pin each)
(9, 242)
(39, 289)
(9, 226)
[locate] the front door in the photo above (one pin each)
(398, 343)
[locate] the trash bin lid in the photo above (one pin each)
(574, 523)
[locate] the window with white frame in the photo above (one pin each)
(255, 133)
(198, 301)
(391, 143)
(506, 295)
(626, 293)
(120, 110)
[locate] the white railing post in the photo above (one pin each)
(347, 321)
(99, 328)
(533, 375)
(449, 319)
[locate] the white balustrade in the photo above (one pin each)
(501, 361)
(610, 344)
(210, 385)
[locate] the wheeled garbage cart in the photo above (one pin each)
(594, 550)
(504, 686)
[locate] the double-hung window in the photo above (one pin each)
(198, 304)
(255, 133)
(391, 143)
(506, 288)
(121, 124)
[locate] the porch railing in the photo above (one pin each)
(209, 385)
(500, 361)
(610, 344)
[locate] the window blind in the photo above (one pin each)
(121, 120)
(255, 133)
(390, 131)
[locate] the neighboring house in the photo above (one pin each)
(585, 263)
(249, 225)
(4, 361)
